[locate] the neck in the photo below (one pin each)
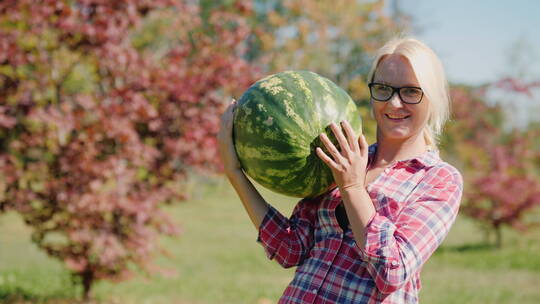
(391, 150)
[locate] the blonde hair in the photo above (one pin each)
(430, 74)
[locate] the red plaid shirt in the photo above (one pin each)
(416, 202)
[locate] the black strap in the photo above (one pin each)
(341, 216)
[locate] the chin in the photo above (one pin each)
(399, 138)
(397, 135)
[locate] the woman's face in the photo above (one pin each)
(397, 120)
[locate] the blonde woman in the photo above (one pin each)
(366, 240)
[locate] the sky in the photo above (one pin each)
(474, 38)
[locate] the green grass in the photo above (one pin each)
(217, 260)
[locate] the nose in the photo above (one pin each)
(395, 101)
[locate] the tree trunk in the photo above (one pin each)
(498, 235)
(487, 234)
(87, 281)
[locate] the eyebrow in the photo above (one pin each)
(388, 84)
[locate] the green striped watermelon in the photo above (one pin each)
(277, 124)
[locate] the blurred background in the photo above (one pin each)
(111, 189)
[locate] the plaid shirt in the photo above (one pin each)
(416, 202)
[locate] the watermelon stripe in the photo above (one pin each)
(285, 130)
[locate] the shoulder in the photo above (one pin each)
(442, 180)
(440, 183)
(312, 204)
(436, 170)
(308, 206)
(443, 172)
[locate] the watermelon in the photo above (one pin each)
(276, 129)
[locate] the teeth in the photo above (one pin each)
(396, 117)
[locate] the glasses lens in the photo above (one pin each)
(380, 91)
(411, 95)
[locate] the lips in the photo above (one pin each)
(396, 117)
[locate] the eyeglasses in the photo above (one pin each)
(383, 92)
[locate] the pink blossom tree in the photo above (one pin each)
(501, 168)
(98, 126)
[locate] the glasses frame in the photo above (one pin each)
(394, 90)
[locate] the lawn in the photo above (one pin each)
(217, 260)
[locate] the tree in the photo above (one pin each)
(504, 194)
(501, 168)
(100, 121)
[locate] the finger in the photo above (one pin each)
(343, 144)
(363, 145)
(229, 111)
(325, 158)
(350, 136)
(331, 148)
(231, 106)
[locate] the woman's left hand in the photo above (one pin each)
(348, 166)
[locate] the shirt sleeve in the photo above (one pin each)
(288, 240)
(396, 250)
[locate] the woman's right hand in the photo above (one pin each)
(254, 203)
(227, 152)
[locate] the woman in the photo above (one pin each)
(366, 240)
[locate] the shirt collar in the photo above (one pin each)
(427, 159)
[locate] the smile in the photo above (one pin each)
(396, 117)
